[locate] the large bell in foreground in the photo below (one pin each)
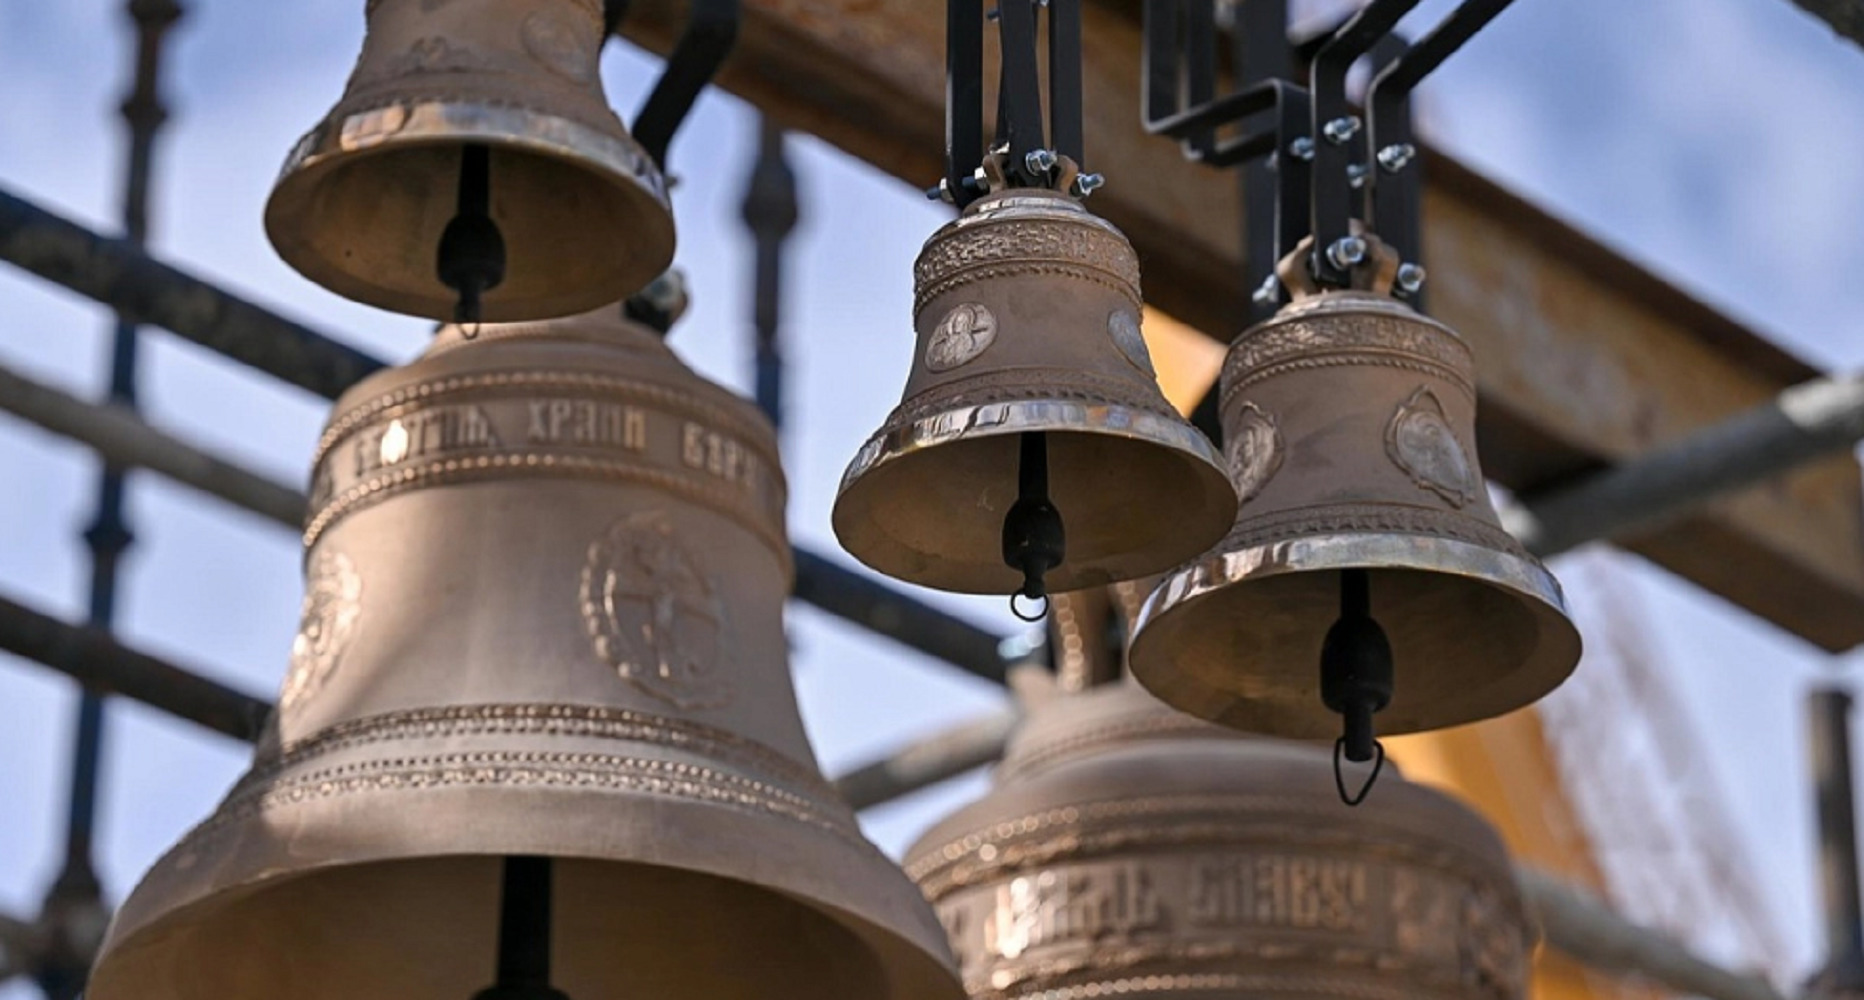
(1126, 850)
(1028, 310)
(542, 648)
(488, 109)
(1348, 424)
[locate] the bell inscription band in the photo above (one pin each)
(1128, 850)
(1029, 360)
(473, 160)
(1364, 523)
(538, 733)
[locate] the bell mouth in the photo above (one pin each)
(924, 499)
(1235, 637)
(362, 201)
(365, 862)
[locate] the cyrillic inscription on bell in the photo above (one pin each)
(473, 160)
(538, 737)
(1128, 850)
(1027, 309)
(1349, 429)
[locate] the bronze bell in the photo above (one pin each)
(545, 578)
(480, 125)
(1027, 309)
(1126, 850)
(1348, 423)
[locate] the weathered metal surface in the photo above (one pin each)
(92, 657)
(1027, 309)
(1126, 849)
(1583, 358)
(1348, 423)
(573, 210)
(544, 575)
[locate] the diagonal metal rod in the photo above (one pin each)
(1806, 422)
(120, 275)
(1584, 927)
(123, 439)
(96, 659)
(842, 592)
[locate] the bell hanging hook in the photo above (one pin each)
(1034, 540)
(471, 259)
(1356, 678)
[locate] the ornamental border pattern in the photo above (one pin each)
(1333, 957)
(1233, 386)
(1027, 240)
(438, 472)
(925, 292)
(1258, 531)
(1370, 337)
(1028, 385)
(1428, 850)
(1227, 983)
(549, 719)
(497, 385)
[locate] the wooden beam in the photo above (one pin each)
(1585, 360)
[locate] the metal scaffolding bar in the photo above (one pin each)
(930, 761)
(1579, 924)
(839, 591)
(94, 658)
(1830, 731)
(123, 439)
(1806, 422)
(118, 274)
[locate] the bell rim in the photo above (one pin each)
(177, 887)
(408, 124)
(905, 440)
(1553, 659)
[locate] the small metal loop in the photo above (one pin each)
(1339, 771)
(1016, 609)
(470, 332)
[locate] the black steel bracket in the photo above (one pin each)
(711, 30)
(1029, 151)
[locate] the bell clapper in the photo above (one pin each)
(1356, 679)
(524, 933)
(472, 250)
(1033, 539)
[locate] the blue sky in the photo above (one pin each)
(1715, 141)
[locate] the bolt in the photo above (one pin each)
(1347, 252)
(1086, 184)
(1356, 175)
(1397, 156)
(1302, 148)
(1341, 130)
(1268, 293)
(1410, 278)
(1040, 161)
(942, 192)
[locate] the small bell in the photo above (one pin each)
(1033, 450)
(1126, 850)
(538, 738)
(473, 169)
(1367, 574)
